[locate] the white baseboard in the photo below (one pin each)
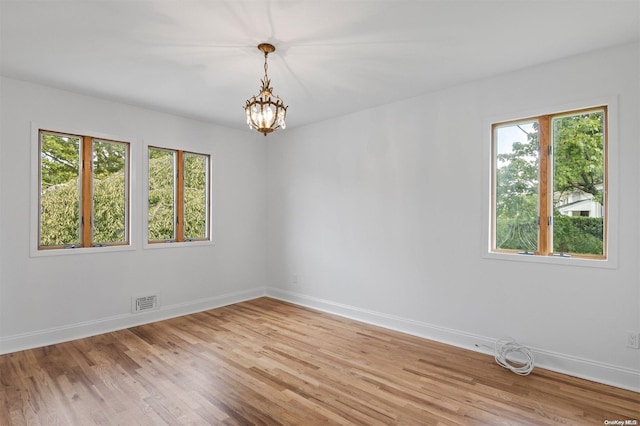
(66, 333)
(608, 374)
(574, 366)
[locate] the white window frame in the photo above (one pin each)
(611, 260)
(145, 198)
(34, 221)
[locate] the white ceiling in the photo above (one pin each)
(199, 58)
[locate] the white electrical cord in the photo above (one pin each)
(507, 346)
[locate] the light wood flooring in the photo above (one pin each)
(270, 362)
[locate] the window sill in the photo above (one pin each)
(153, 246)
(553, 260)
(80, 250)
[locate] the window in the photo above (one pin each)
(178, 203)
(549, 185)
(83, 191)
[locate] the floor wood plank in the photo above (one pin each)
(267, 362)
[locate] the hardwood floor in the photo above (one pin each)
(270, 362)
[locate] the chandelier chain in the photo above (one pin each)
(266, 65)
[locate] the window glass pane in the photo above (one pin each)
(59, 189)
(110, 184)
(162, 178)
(196, 205)
(516, 186)
(578, 183)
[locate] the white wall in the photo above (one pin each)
(52, 298)
(379, 216)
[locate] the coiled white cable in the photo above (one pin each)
(508, 346)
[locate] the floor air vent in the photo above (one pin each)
(145, 303)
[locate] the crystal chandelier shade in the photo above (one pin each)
(266, 112)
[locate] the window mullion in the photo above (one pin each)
(545, 182)
(87, 196)
(180, 196)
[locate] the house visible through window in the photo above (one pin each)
(550, 184)
(178, 203)
(84, 191)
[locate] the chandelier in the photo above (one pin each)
(265, 111)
